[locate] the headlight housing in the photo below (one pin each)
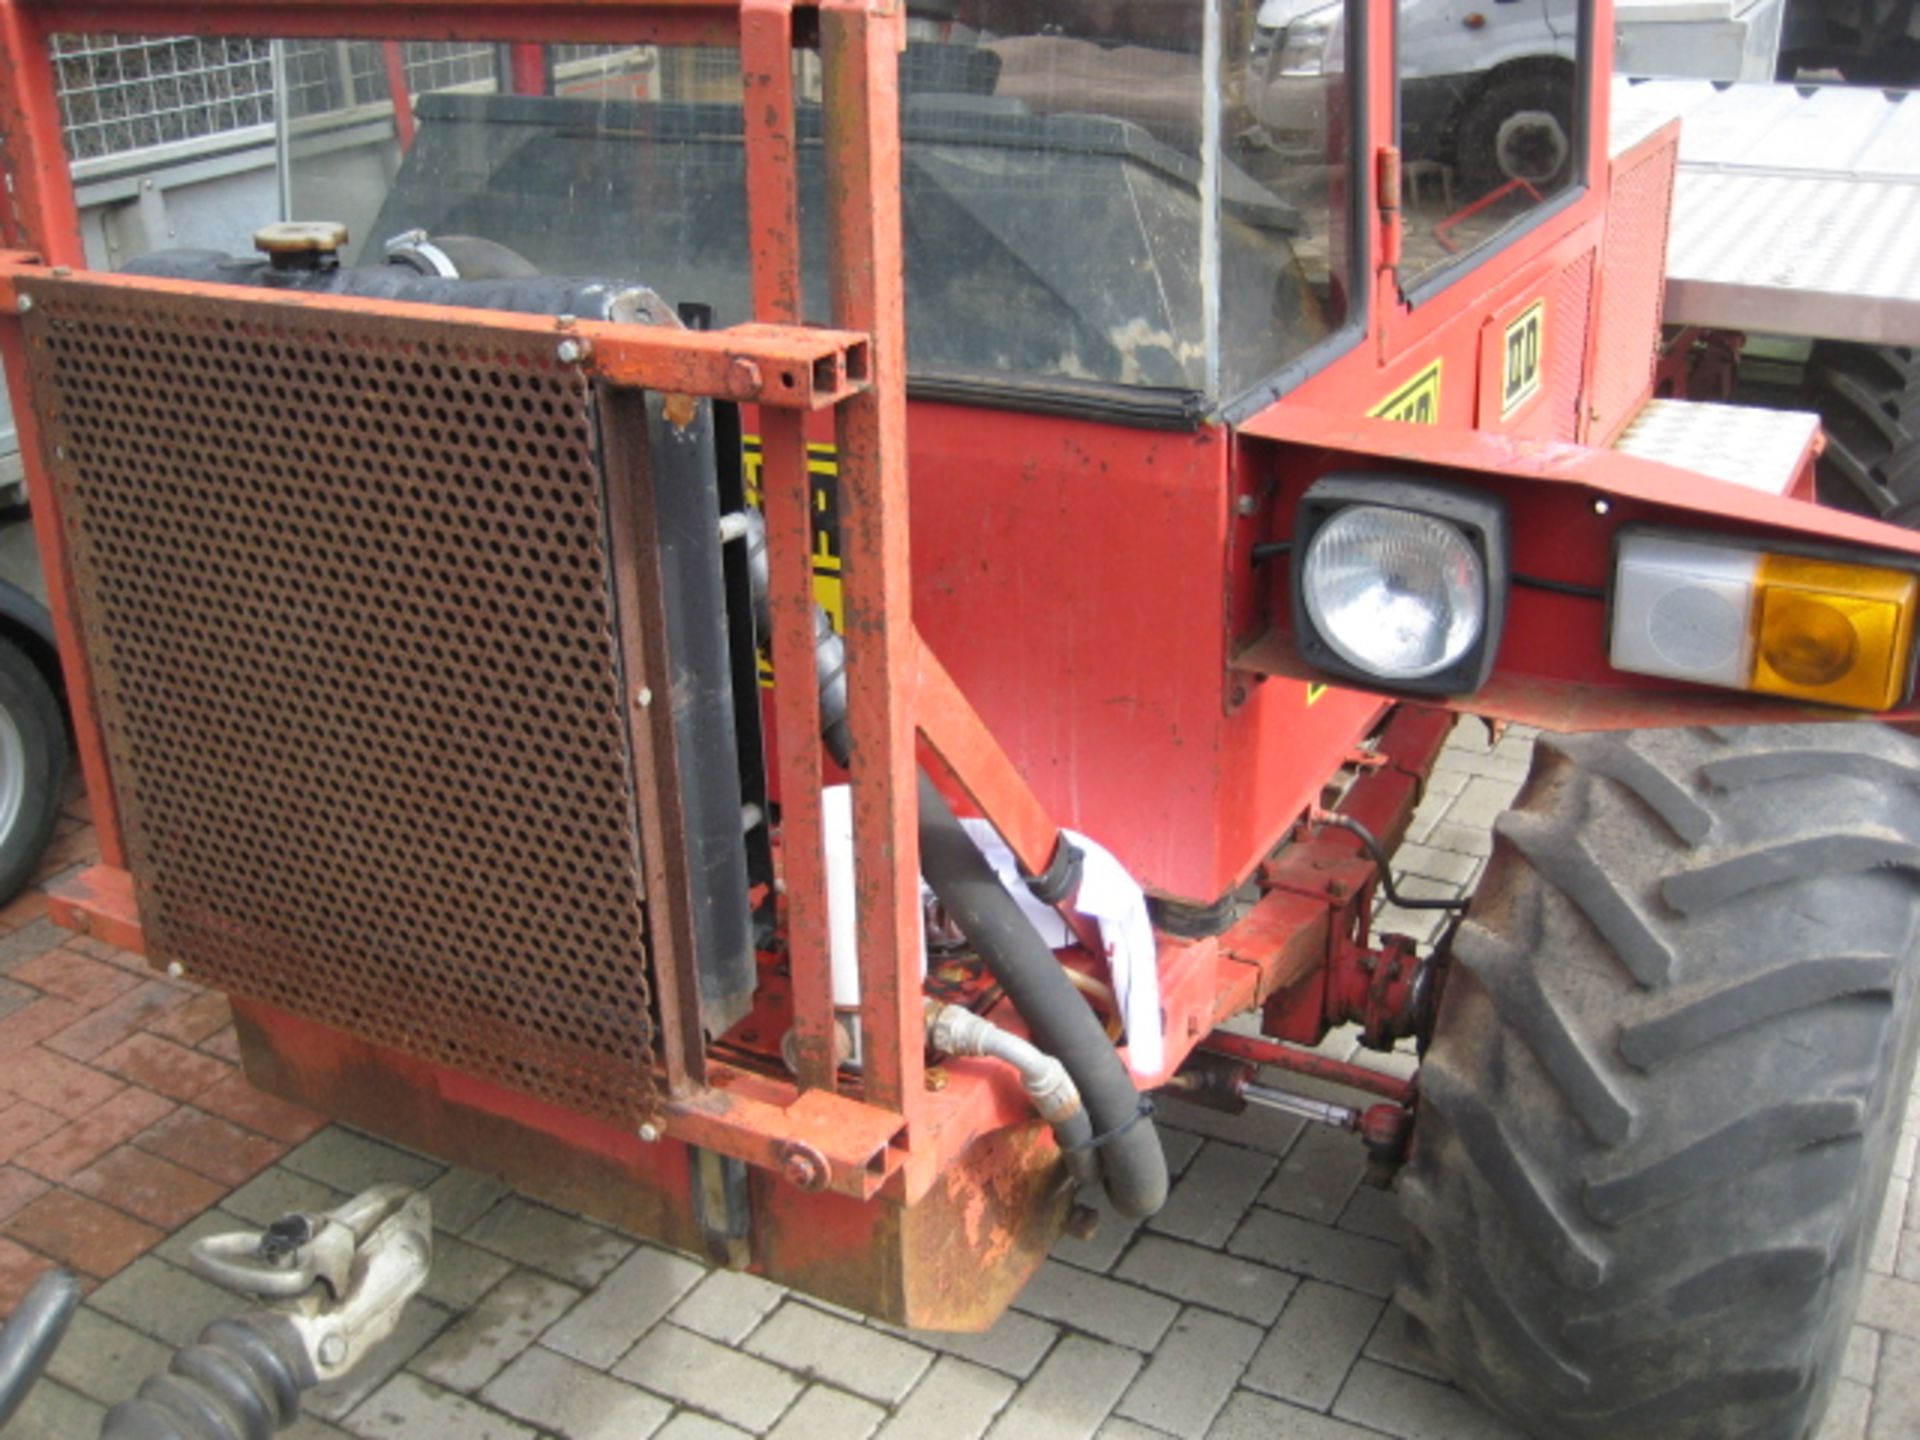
(1306, 46)
(1399, 584)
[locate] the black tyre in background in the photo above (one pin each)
(33, 767)
(1868, 398)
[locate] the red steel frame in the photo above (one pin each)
(898, 691)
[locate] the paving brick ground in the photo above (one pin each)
(1257, 1306)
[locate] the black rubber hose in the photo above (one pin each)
(1062, 1023)
(1134, 1165)
(241, 1381)
(1383, 862)
(1075, 1138)
(28, 1340)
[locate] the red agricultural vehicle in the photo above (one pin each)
(1083, 459)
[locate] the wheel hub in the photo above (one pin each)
(13, 773)
(1532, 145)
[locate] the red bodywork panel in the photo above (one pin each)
(1069, 575)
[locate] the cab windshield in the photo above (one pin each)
(1149, 196)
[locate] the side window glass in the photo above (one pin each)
(1491, 126)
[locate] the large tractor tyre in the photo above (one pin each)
(1517, 126)
(1869, 402)
(1659, 1110)
(33, 767)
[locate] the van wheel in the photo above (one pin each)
(33, 768)
(1659, 1110)
(1517, 126)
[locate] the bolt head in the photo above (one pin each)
(24, 303)
(1083, 1222)
(175, 969)
(571, 352)
(743, 378)
(649, 1131)
(333, 1349)
(1245, 505)
(805, 1167)
(643, 697)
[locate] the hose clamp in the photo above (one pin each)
(1100, 1142)
(1062, 875)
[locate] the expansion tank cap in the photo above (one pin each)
(301, 244)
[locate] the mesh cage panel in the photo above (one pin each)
(1633, 281)
(347, 591)
(1567, 355)
(1557, 415)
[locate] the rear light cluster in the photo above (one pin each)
(1402, 584)
(1749, 619)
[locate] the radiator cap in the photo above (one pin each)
(301, 244)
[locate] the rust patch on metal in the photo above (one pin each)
(348, 589)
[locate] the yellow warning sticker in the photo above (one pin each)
(1314, 692)
(1520, 358)
(823, 469)
(1415, 403)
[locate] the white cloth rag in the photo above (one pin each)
(1109, 897)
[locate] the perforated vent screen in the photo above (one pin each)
(348, 596)
(1633, 281)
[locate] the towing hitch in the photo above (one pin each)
(335, 1285)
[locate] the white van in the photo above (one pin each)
(1488, 83)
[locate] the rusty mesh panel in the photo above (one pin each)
(348, 599)
(1557, 416)
(1633, 279)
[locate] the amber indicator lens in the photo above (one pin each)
(1841, 634)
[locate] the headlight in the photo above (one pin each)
(1399, 583)
(1311, 44)
(1396, 593)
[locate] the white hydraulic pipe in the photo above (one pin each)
(956, 1030)
(843, 915)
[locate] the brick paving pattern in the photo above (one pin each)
(1256, 1306)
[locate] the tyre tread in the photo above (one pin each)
(1618, 966)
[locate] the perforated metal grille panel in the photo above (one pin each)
(1633, 277)
(348, 595)
(1557, 417)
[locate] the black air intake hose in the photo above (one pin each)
(1134, 1165)
(1062, 1023)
